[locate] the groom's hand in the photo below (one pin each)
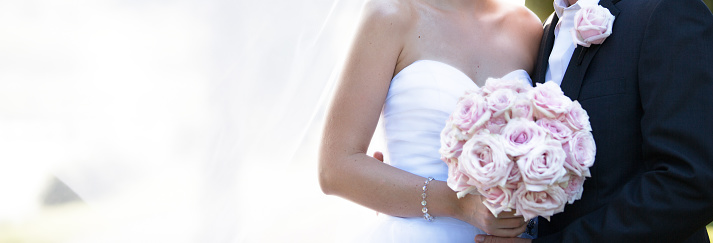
(495, 239)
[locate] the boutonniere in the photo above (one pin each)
(592, 25)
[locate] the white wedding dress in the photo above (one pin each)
(419, 101)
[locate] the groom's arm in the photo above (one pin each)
(674, 198)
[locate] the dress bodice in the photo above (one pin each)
(420, 100)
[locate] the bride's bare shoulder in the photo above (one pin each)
(392, 12)
(385, 22)
(523, 18)
(522, 23)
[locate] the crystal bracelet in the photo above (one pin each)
(426, 216)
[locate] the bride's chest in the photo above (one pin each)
(478, 55)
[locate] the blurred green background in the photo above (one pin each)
(543, 8)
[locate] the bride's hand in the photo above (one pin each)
(473, 211)
(476, 213)
(379, 156)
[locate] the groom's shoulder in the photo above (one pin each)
(649, 10)
(654, 5)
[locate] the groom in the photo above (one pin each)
(648, 90)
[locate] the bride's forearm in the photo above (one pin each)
(386, 189)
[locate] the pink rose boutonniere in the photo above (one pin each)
(592, 25)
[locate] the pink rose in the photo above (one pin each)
(514, 178)
(471, 92)
(485, 162)
(456, 179)
(522, 109)
(556, 128)
(496, 124)
(451, 142)
(500, 101)
(592, 25)
(543, 166)
(577, 117)
(494, 84)
(573, 187)
(519, 136)
(471, 113)
(580, 150)
(515, 84)
(497, 199)
(549, 100)
(545, 203)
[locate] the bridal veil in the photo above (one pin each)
(169, 121)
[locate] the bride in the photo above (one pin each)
(411, 60)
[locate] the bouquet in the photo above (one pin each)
(522, 148)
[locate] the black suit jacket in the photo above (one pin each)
(648, 90)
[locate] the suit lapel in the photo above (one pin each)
(546, 44)
(581, 59)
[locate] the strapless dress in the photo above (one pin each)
(419, 101)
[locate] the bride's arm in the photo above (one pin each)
(344, 168)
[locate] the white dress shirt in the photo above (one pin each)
(564, 46)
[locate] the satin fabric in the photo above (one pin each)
(420, 100)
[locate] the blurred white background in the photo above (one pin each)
(168, 121)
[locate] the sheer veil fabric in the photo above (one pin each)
(169, 121)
